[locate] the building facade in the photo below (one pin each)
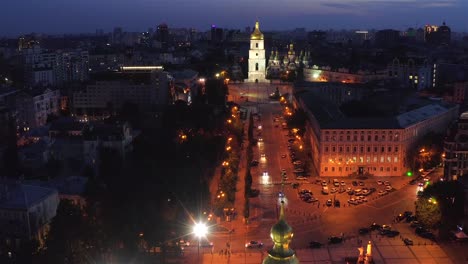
(109, 91)
(343, 146)
(257, 60)
(456, 150)
(25, 212)
(34, 106)
(411, 73)
(342, 75)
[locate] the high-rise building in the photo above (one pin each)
(257, 60)
(162, 34)
(217, 34)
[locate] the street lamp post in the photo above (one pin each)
(200, 230)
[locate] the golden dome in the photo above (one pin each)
(256, 34)
(281, 234)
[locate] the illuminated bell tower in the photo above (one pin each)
(257, 59)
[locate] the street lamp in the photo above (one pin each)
(200, 230)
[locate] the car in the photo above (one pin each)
(420, 230)
(357, 192)
(298, 170)
(379, 182)
(254, 163)
(382, 192)
(283, 170)
(407, 213)
(311, 200)
(411, 218)
(415, 224)
(354, 183)
(281, 194)
(297, 162)
(262, 156)
(295, 185)
(400, 217)
(260, 139)
(375, 226)
(315, 244)
(184, 243)
(291, 140)
(329, 202)
(343, 183)
(333, 190)
(206, 243)
(364, 230)
(341, 190)
(365, 192)
(324, 183)
(325, 190)
(426, 179)
(283, 156)
(408, 241)
(254, 244)
(301, 178)
(386, 183)
(361, 183)
(413, 182)
(335, 240)
(350, 192)
(337, 203)
(352, 201)
(428, 235)
(388, 188)
(392, 233)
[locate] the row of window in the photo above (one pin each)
(362, 138)
(349, 169)
(368, 159)
(361, 149)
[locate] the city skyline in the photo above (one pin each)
(86, 16)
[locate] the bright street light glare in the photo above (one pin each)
(200, 230)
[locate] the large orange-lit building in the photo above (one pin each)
(343, 75)
(342, 146)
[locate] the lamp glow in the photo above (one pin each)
(200, 230)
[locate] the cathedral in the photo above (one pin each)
(290, 62)
(279, 66)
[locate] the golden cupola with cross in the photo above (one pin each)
(281, 233)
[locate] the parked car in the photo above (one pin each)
(254, 163)
(283, 156)
(388, 188)
(379, 182)
(254, 244)
(392, 233)
(364, 230)
(361, 183)
(375, 226)
(420, 230)
(386, 183)
(400, 217)
(428, 235)
(315, 244)
(343, 183)
(382, 192)
(415, 224)
(297, 162)
(355, 183)
(337, 203)
(336, 183)
(329, 202)
(295, 185)
(335, 240)
(408, 241)
(333, 190)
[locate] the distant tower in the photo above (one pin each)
(257, 59)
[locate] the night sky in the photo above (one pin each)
(61, 16)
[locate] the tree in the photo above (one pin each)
(66, 242)
(428, 212)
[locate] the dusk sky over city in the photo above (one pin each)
(58, 16)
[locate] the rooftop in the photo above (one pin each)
(22, 196)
